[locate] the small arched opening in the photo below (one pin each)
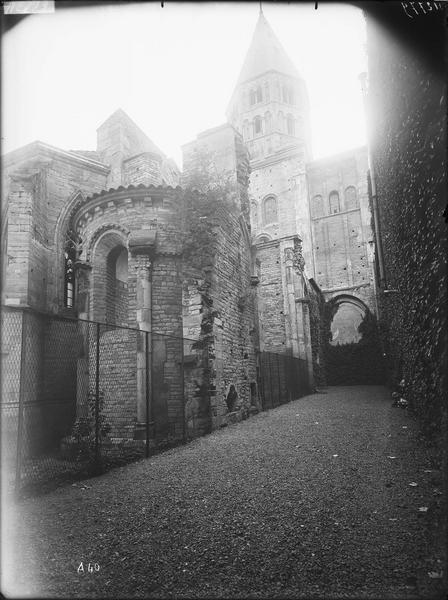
(110, 302)
(232, 399)
(117, 304)
(351, 198)
(258, 126)
(290, 125)
(335, 205)
(270, 210)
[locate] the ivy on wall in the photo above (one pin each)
(409, 149)
(318, 334)
(210, 203)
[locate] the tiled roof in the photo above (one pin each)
(266, 54)
(141, 142)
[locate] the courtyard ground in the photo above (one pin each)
(328, 496)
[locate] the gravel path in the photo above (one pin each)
(302, 501)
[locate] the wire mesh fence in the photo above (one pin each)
(78, 397)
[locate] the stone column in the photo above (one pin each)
(83, 276)
(144, 321)
(142, 248)
(293, 338)
(302, 311)
(85, 332)
(298, 336)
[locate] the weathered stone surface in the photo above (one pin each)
(208, 276)
(407, 120)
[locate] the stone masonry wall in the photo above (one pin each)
(38, 186)
(270, 298)
(105, 222)
(143, 168)
(342, 257)
(118, 380)
(18, 213)
(407, 130)
(167, 343)
(217, 297)
(234, 325)
(284, 178)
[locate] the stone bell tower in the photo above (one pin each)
(269, 105)
(270, 108)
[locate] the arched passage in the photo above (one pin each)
(347, 314)
(353, 354)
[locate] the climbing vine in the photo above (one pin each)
(318, 335)
(210, 199)
(410, 167)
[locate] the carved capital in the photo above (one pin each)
(289, 257)
(142, 242)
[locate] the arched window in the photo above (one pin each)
(268, 122)
(266, 91)
(270, 210)
(351, 198)
(252, 97)
(290, 125)
(259, 94)
(257, 126)
(317, 206)
(69, 288)
(281, 122)
(72, 245)
(117, 286)
(335, 206)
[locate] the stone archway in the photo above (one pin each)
(347, 314)
(109, 279)
(353, 354)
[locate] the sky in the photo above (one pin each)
(173, 70)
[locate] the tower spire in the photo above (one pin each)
(265, 53)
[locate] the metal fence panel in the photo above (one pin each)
(282, 378)
(78, 397)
